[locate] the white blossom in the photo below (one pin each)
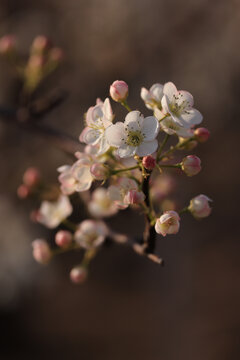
(136, 136)
(98, 119)
(51, 214)
(101, 205)
(179, 105)
(153, 96)
(91, 233)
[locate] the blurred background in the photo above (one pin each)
(130, 308)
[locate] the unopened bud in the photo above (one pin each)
(202, 134)
(7, 44)
(23, 191)
(191, 165)
(36, 62)
(63, 238)
(99, 171)
(134, 197)
(40, 44)
(78, 274)
(31, 177)
(119, 90)
(149, 162)
(41, 251)
(199, 206)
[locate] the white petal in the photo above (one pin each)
(115, 134)
(150, 128)
(157, 91)
(169, 90)
(107, 110)
(192, 117)
(147, 148)
(103, 145)
(165, 104)
(133, 120)
(92, 136)
(126, 151)
(145, 94)
(185, 96)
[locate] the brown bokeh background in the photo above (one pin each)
(130, 308)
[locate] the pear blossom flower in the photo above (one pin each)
(91, 234)
(101, 205)
(168, 223)
(119, 90)
(51, 214)
(199, 206)
(98, 119)
(152, 97)
(179, 105)
(171, 127)
(136, 136)
(118, 192)
(41, 251)
(78, 177)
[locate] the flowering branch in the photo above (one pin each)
(121, 158)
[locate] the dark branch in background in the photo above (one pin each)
(25, 118)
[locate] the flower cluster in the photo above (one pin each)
(125, 163)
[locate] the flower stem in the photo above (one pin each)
(125, 104)
(184, 210)
(114, 172)
(162, 146)
(178, 166)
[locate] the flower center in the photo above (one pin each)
(178, 106)
(135, 138)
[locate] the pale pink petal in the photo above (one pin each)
(147, 148)
(169, 89)
(150, 128)
(116, 134)
(190, 118)
(126, 151)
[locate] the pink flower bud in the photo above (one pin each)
(23, 191)
(199, 206)
(78, 274)
(41, 251)
(99, 171)
(31, 177)
(119, 90)
(7, 44)
(63, 238)
(191, 165)
(134, 197)
(40, 44)
(202, 134)
(149, 162)
(35, 216)
(35, 63)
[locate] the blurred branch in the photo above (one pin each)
(25, 118)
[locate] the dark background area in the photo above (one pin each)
(130, 308)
